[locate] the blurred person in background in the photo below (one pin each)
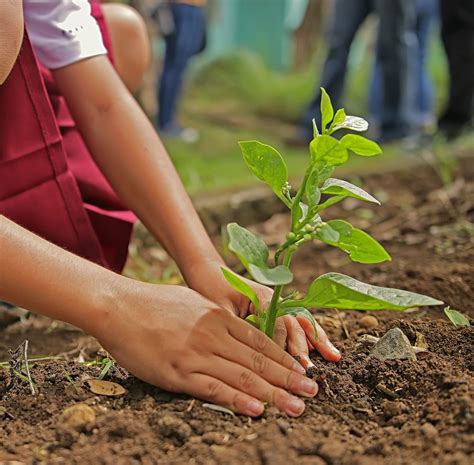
(183, 26)
(457, 33)
(422, 107)
(395, 52)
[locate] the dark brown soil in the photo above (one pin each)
(367, 412)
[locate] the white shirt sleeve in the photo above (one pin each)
(62, 32)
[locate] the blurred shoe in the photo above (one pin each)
(409, 144)
(187, 135)
(452, 129)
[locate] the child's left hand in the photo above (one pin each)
(296, 334)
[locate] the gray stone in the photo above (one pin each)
(394, 345)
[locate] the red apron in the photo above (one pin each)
(49, 182)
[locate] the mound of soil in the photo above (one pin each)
(368, 412)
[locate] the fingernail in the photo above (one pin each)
(254, 407)
(295, 406)
(308, 387)
(334, 350)
(307, 362)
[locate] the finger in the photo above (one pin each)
(248, 382)
(267, 369)
(215, 391)
(297, 345)
(280, 333)
(320, 340)
(258, 341)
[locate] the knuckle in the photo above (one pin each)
(286, 360)
(247, 380)
(260, 340)
(237, 402)
(213, 390)
(280, 332)
(260, 363)
(275, 396)
(290, 380)
(217, 312)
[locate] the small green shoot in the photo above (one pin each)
(108, 364)
(317, 192)
(456, 318)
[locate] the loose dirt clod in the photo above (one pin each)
(175, 429)
(394, 345)
(78, 417)
(369, 322)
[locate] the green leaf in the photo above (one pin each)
(248, 247)
(266, 163)
(327, 111)
(456, 318)
(271, 276)
(339, 118)
(361, 145)
(329, 203)
(241, 286)
(297, 311)
(312, 192)
(354, 123)
(360, 246)
(327, 234)
(324, 172)
(300, 213)
(254, 320)
(333, 186)
(328, 150)
(335, 290)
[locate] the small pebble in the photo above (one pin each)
(394, 345)
(369, 322)
(77, 417)
(283, 425)
(429, 430)
(215, 437)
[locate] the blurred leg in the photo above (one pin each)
(346, 18)
(186, 40)
(375, 94)
(457, 17)
(396, 53)
(130, 44)
(427, 14)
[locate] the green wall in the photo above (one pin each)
(261, 26)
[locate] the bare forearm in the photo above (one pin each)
(44, 278)
(131, 155)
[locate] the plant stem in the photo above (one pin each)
(272, 310)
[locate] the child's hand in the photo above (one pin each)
(172, 337)
(294, 333)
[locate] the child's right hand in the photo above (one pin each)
(176, 339)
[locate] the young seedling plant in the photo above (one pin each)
(317, 192)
